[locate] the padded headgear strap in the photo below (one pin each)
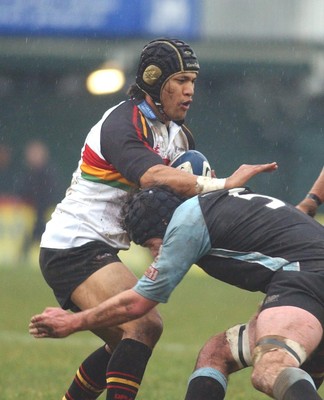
(160, 59)
(148, 213)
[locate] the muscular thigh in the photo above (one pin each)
(292, 323)
(103, 284)
(294, 308)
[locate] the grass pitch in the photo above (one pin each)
(43, 369)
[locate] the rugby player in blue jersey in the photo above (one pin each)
(249, 240)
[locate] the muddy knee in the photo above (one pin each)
(271, 356)
(227, 352)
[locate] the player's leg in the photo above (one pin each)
(63, 270)
(314, 366)
(215, 362)
(222, 355)
(132, 343)
(78, 283)
(285, 338)
(90, 379)
(230, 351)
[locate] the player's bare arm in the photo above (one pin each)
(57, 323)
(314, 198)
(189, 185)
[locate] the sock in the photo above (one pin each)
(314, 366)
(126, 369)
(206, 384)
(301, 390)
(294, 384)
(90, 379)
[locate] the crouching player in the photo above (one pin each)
(231, 351)
(249, 240)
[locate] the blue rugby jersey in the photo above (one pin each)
(236, 236)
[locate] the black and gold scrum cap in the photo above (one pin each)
(160, 59)
(148, 212)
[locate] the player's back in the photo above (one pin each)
(258, 234)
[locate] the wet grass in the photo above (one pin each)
(39, 369)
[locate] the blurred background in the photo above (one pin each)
(63, 63)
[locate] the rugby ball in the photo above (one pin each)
(192, 161)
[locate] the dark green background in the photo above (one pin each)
(243, 112)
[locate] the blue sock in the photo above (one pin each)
(206, 384)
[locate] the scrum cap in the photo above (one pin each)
(160, 59)
(148, 213)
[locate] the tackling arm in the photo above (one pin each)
(57, 323)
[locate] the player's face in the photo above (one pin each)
(153, 245)
(177, 94)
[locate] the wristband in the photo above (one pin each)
(315, 198)
(205, 184)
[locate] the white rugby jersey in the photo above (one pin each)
(117, 151)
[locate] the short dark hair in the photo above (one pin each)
(135, 92)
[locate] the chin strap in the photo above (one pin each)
(161, 110)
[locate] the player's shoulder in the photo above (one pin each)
(118, 117)
(122, 107)
(188, 212)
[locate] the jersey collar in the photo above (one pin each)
(147, 110)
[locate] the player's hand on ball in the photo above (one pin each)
(245, 172)
(52, 323)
